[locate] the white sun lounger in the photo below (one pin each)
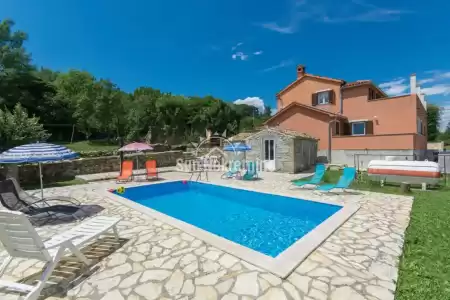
(21, 240)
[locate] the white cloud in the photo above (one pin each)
(332, 12)
(291, 28)
(273, 111)
(282, 64)
(437, 89)
(426, 80)
(236, 46)
(437, 76)
(239, 55)
(243, 56)
(440, 85)
(395, 87)
(253, 101)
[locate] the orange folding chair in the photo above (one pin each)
(126, 174)
(152, 171)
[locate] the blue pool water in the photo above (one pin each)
(263, 222)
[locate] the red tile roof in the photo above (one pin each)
(344, 84)
(363, 82)
(331, 114)
(298, 80)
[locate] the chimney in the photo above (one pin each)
(301, 70)
(413, 84)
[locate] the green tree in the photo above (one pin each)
(433, 118)
(17, 128)
(77, 91)
(100, 108)
(143, 117)
(109, 108)
(18, 83)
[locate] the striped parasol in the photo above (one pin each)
(136, 147)
(36, 153)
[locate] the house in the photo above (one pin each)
(275, 149)
(353, 120)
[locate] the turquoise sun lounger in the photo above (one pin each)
(251, 173)
(233, 171)
(315, 180)
(344, 181)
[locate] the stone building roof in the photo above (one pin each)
(245, 135)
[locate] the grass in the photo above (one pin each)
(424, 270)
(425, 264)
(84, 146)
(75, 181)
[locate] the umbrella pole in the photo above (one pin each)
(40, 178)
(137, 162)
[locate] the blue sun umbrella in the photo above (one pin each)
(238, 147)
(36, 153)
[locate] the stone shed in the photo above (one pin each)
(280, 150)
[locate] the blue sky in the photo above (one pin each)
(242, 49)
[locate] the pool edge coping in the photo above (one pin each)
(283, 264)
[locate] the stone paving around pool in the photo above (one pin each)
(156, 261)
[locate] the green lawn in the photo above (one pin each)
(424, 271)
(84, 146)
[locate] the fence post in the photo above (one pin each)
(445, 169)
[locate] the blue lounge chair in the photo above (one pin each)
(233, 171)
(315, 180)
(344, 181)
(251, 173)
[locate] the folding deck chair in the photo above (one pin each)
(12, 199)
(126, 173)
(346, 179)
(21, 240)
(151, 170)
(29, 198)
(315, 180)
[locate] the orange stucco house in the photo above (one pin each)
(354, 121)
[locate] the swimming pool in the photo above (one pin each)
(262, 223)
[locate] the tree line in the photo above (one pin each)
(37, 103)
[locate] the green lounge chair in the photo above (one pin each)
(315, 180)
(233, 171)
(251, 173)
(344, 182)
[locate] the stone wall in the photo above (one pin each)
(284, 161)
(66, 170)
(305, 154)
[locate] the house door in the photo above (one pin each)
(269, 154)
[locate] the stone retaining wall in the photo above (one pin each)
(67, 170)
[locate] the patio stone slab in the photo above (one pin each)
(359, 261)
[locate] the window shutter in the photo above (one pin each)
(369, 127)
(314, 99)
(347, 129)
(331, 96)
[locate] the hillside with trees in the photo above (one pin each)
(37, 103)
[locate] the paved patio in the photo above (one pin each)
(156, 261)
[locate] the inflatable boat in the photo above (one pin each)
(413, 172)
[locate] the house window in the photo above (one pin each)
(372, 94)
(419, 126)
(337, 128)
(323, 97)
(359, 128)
